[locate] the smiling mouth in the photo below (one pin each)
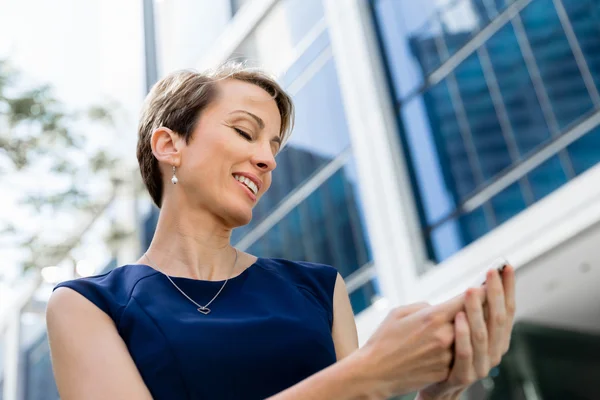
(247, 182)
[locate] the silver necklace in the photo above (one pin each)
(203, 309)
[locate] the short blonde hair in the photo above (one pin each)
(176, 102)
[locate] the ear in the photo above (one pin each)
(166, 146)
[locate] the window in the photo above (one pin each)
(532, 81)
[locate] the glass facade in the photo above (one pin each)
(312, 211)
(480, 87)
(40, 384)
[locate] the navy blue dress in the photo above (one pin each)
(269, 329)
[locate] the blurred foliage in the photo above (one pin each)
(37, 129)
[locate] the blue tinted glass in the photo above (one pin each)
(456, 233)
(432, 179)
(585, 152)
(418, 36)
(488, 138)
(363, 297)
(358, 218)
(487, 10)
(556, 62)
(456, 155)
(548, 177)
(453, 235)
(474, 225)
(447, 239)
(487, 115)
(509, 202)
(584, 16)
(326, 227)
(39, 379)
(321, 126)
(404, 68)
(517, 92)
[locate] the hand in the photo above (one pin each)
(412, 347)
(480, 342)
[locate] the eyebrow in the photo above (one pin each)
(260, 122)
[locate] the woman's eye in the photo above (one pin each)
(244, 134)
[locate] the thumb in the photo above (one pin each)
(404, 311)
(451, 307)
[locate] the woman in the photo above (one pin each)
(196, 318)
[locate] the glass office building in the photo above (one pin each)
(471, 118)
(497, 106)
(479, 88)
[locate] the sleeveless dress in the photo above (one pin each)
(269, 329)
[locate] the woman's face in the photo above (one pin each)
(226, 167)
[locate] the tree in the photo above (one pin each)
(48, 168)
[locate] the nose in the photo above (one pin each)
(264, 159)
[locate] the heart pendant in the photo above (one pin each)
(204, 310)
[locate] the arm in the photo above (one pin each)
(89, 358)
(345, 337)
(410, 349)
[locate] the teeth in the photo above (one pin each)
(251, 185)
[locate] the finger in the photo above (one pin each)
(479, 334)
(497, 317)
(508, 282)
(450, 308)
(462, 371)
(401, 312)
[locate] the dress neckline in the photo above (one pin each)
(192, 280)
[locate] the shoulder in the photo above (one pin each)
(319, 280)
(110, 292)
(302, 273)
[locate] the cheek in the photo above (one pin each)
(209, 152)
(267, 180)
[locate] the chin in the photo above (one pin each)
(240, 217)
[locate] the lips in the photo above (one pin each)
(247, 183)
(253, 178)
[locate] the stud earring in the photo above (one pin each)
(174, 178)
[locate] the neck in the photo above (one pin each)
(192, 245)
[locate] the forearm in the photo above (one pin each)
(344, 380)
